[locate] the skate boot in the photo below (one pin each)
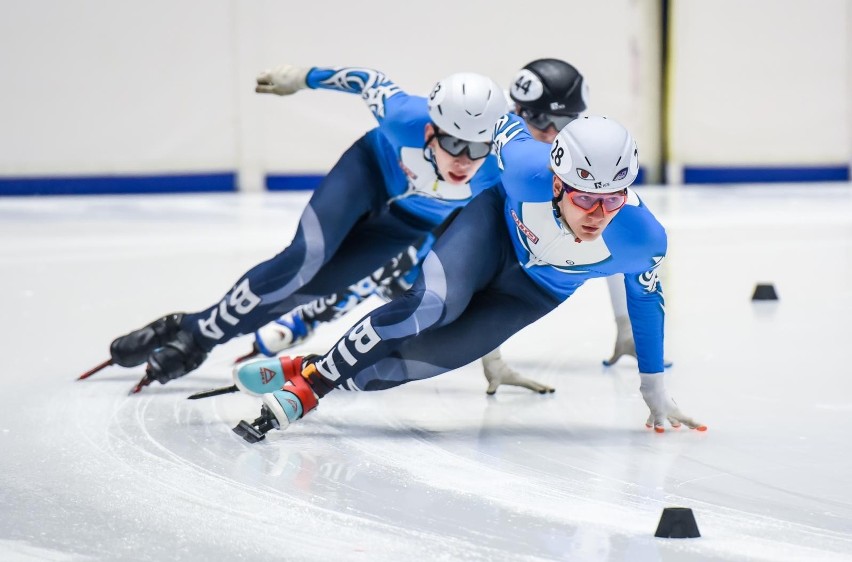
(262, 376)
(176, 358)
(259, 376)
(133, 349)
(289, 330)
(302, 389)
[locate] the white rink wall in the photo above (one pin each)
(105, 89)
(760, 83)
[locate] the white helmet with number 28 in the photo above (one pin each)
(466, 106)
(595, 154)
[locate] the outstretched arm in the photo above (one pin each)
(647, 314)
(373, 86)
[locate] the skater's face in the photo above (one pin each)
(587, 214)
(457, 160)
(543, 126)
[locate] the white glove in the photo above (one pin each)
(497, 372)
(283, 81)
(653, 389)
(624, 344)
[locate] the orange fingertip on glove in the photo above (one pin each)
(662, 430)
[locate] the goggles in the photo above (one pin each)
(588, 202)
(456, 147)
(542, 121)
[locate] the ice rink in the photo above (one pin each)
(434, 470)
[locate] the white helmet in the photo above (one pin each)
(595, 154)
(466, 106)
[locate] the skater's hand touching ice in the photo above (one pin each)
(497, 372)
(653, 389)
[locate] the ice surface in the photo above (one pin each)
(434, 470)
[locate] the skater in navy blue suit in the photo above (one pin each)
(428, 157)
(564, 214)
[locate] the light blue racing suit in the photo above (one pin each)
(504, 262)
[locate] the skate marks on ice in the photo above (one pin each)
(300, 497)
(536, 464)
(439, 463)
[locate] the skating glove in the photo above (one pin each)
(624, 344)
(653, 389)
(497, 372)
(283, 81)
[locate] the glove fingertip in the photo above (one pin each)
(701, 428)
(659, 429)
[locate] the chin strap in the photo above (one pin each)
(429, 155)
(557, 214)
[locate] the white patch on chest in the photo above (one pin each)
(422, 179)
(552, 243)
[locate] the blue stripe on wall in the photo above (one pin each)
(224, 182)
(694, 174)
(109, 185)
(284, 182)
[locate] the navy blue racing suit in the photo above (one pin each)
(383, 195)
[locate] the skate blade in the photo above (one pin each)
(95, 369)
(213, 392)
(248, 432)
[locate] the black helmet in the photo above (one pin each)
(549, 86)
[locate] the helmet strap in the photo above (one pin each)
(557, 214)
(429, 155)
(555, 202)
